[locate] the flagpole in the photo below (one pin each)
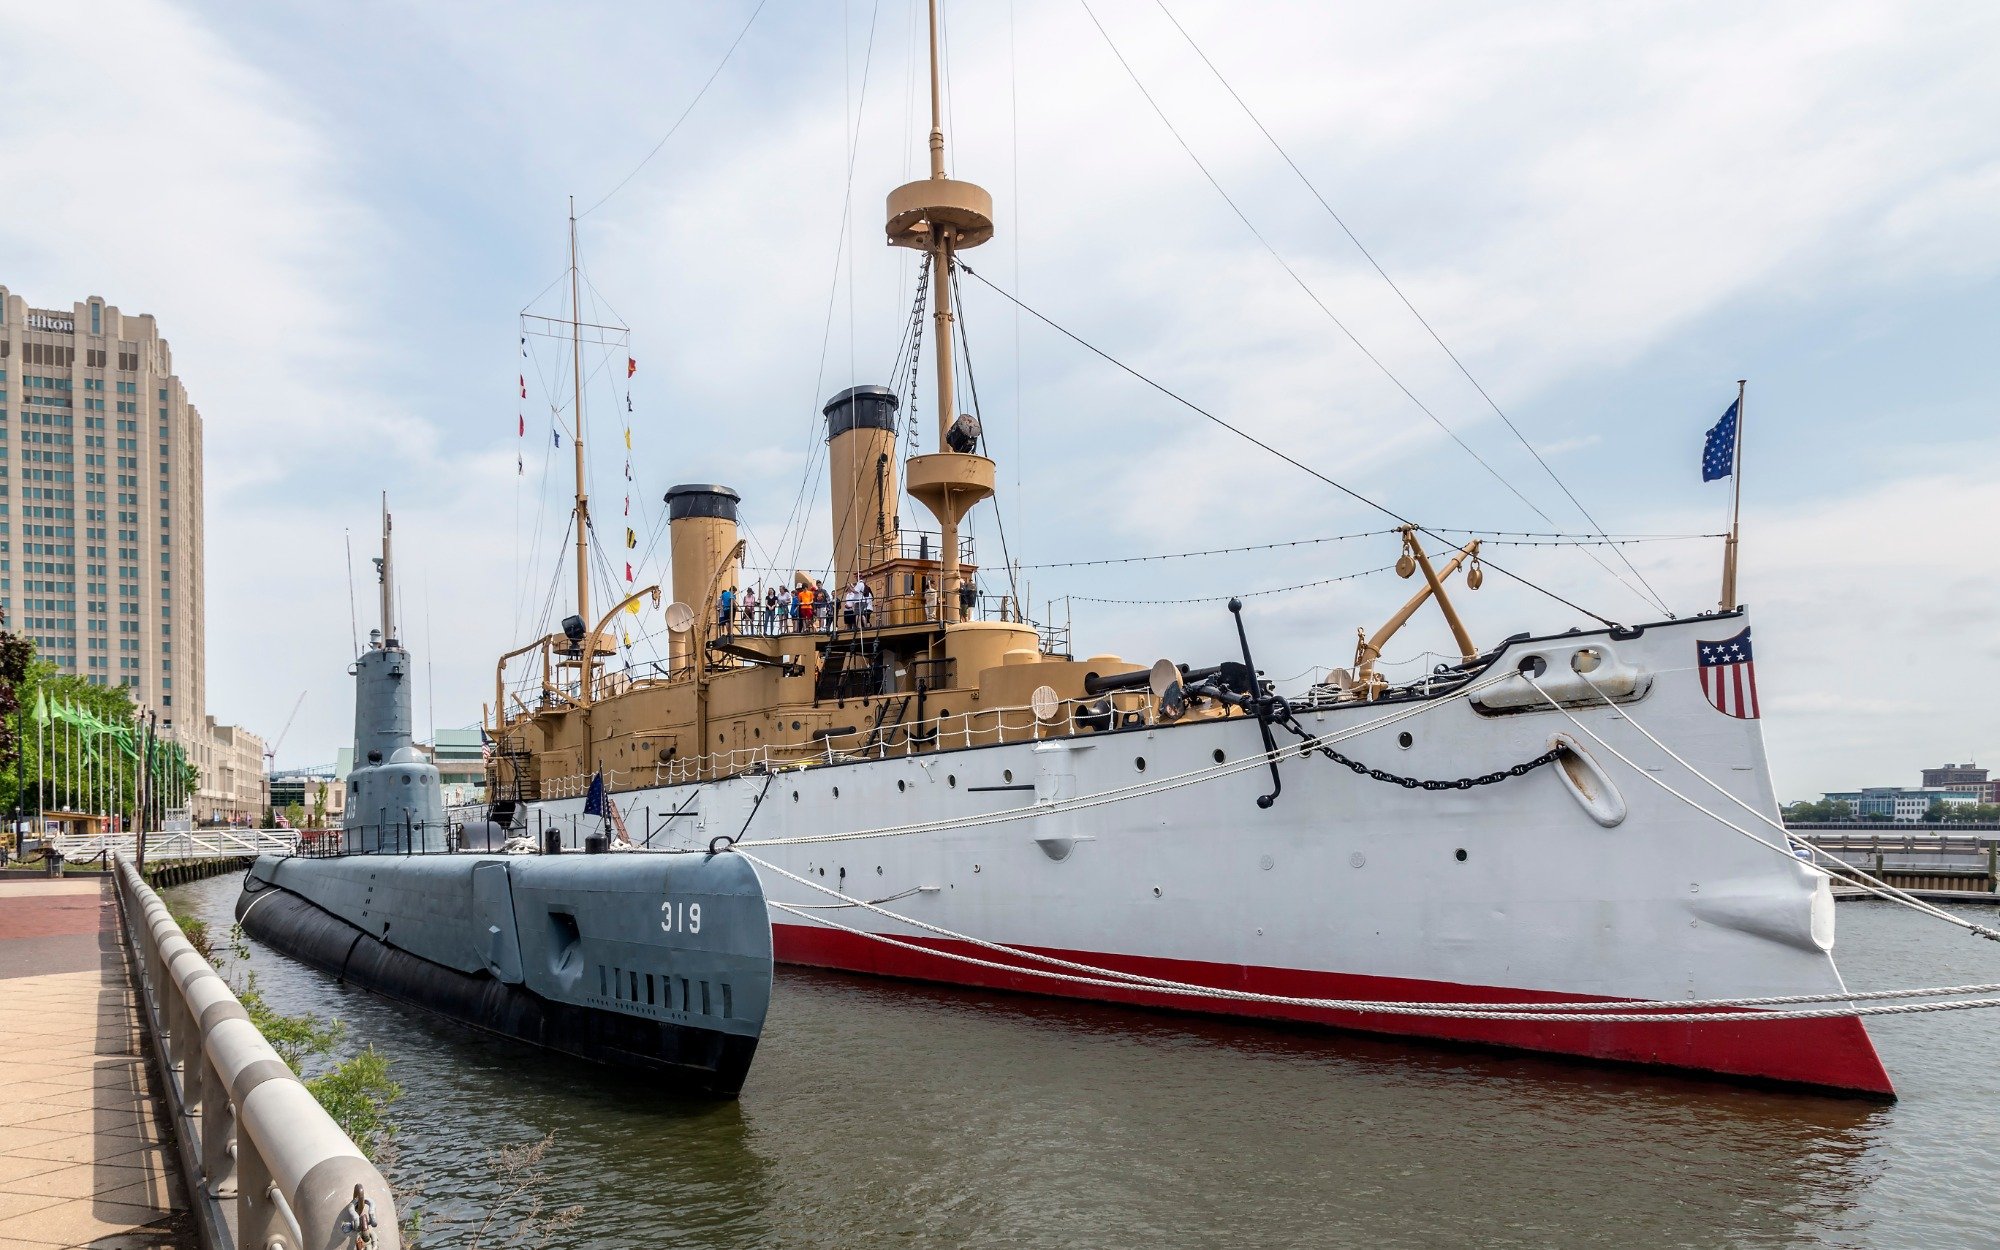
(1735, 504)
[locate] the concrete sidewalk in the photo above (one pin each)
(84, 1160)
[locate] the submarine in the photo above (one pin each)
(654, 961)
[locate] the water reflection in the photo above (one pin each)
(880, 1112)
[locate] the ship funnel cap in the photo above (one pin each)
(697, 499)
(860, 407)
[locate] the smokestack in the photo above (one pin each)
(861, 469)
(701, 527)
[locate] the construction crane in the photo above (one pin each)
(271, 755)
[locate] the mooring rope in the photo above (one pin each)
(1885, 890)
(1111, 978)
(1462, 1011)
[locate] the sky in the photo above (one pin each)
(1608, 213)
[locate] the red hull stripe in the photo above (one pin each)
(1832, 1054)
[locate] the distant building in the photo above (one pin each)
(234, 787)
(1899, 803)
(1955, 775)
(101, 523)
(309, 788)
(460, 756)
(107, 503)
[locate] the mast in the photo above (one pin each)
(387, 579)
(576, 436)
(941, 216)
(1735, 504)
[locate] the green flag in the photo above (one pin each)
(41, 706)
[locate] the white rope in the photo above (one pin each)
(1464, 1012)
(1113, 978)
(1164, 785)
(1886, 891)
(1872, 884)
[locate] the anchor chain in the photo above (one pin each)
(1290, 722)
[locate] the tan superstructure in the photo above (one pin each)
(862, 473)
(930, 665)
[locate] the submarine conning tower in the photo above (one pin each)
(701, 531)
(862, 472)
(393, 795)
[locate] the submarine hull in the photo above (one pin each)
(596, 957)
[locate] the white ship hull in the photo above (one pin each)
(1346, 887)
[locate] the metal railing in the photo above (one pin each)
(1074, 717)
(266, 1167)
(222, 842)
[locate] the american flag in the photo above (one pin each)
(1718, 450)
(1728, 677)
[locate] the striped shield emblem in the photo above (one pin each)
(1728, 676)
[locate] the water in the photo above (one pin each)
(879, 1113)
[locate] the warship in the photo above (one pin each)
(660, 963)
(933, 787)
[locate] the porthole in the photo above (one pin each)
(1140, 763)
(757, 731)
(951, 779)
(901, 785)
(1406, 740)
(1007, 775)
(406, 779)
(795, 796)
(836, 792)
(1219, 756)
(1459, 854)
(795, 726)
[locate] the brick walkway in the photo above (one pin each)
(82, 1156)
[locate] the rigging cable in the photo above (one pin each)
(1241, 594)
(816, 448)
(1252, 439)
(1337, 322)
(710, 82)
(972, 389)
(1421, 319)
(1486, 539)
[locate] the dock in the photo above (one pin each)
(85, 1153)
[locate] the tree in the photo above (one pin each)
(82, 728)
(1820, 812)
(1937, 813)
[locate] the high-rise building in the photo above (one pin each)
(101, 507)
